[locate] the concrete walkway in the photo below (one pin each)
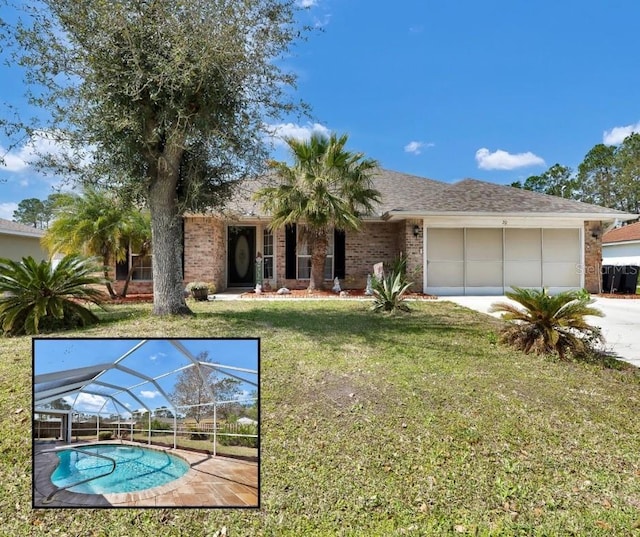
(620, 325)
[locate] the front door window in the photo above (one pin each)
(241, 256)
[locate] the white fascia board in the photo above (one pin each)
(631, 242)
(601, 217)
(499, 221)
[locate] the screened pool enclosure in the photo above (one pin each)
(190, 393)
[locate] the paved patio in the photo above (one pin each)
(211, 482)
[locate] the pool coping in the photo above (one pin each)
(209, 482)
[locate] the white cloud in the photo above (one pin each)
(154, 357)
(41, 143)
(291, 130)
(416, 148)
(87, 402)
(502, 160)
(149, 394)
(6, 210)
(617, 135)
(307, 3)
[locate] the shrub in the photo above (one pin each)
(105, 435)
(549, 324)
(157, 427)
(38, 296)
(389, 293)
(246, 441)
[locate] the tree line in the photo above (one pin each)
(608, 176)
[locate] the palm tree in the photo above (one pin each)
(549, 323)
(327, 187)
(39, 295)
(96, 224)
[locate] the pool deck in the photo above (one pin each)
(211, 482)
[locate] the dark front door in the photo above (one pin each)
(241, 256)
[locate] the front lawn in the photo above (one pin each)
(375, 425)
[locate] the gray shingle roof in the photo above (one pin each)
(7, 227)
(473, 196)
(404, 193)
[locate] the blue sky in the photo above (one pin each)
(154, 358)
(494, 90)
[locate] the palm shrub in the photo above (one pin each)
(549, 324)
(38, 296)
(389, 292)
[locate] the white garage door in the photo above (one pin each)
(485, 261)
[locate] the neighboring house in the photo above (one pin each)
(621, 259)
(621, 246)
(470, 237)
(18, 241)
(246, 421)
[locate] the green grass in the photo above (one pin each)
(413, 424)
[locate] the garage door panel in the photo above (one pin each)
(560, 245)
(445, 274)
(522, 245)
(484, 245)
(522, 274)
(478, 260)
(484, 274)
(445, 244)
(561, 274)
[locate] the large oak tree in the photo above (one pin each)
(164, 100)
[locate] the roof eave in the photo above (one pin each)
(603, 217)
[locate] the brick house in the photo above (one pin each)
(469, 237)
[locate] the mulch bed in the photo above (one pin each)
(351, 293)
(131, 299)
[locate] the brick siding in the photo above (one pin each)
(593, 256)
(205, 251)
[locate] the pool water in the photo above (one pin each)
(137, 468)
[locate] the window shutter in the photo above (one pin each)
(339, 254)
(290, 241)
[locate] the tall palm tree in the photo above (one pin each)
(547, 323)
(97, 224)
(326, 187)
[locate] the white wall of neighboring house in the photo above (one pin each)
(15, 247)
(621, 253)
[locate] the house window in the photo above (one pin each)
(142, 266)
(267, 254)
(304, 259)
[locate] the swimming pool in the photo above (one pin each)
(137, 468)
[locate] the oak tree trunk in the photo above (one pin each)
(166, 237)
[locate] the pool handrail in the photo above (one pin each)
(49, 498)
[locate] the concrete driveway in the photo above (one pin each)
(620, 325)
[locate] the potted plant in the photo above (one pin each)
(198, 290)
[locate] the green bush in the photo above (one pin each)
(37, 297)
(389, 293)
(246, 441)
(105, 435)
(160, 426)
(550, 324)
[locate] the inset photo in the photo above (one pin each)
(146, 423)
